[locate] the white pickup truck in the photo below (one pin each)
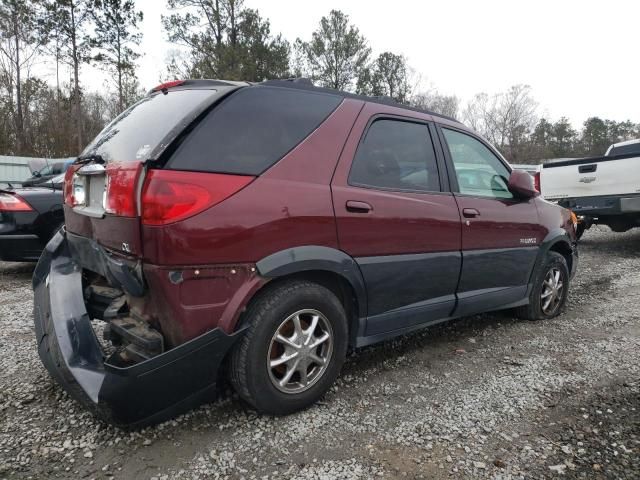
(599, 190)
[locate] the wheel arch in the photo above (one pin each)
(558, 241)
(329, 267)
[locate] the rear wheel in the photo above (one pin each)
(294, 347)
(550, 288)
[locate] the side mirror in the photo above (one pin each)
(521, 185)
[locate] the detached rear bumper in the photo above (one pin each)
(145, 393)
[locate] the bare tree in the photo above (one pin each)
(70, 18)
(116, 23)
(20, 41)
(505, 119)
(436, 102)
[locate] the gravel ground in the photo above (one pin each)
(482, 397)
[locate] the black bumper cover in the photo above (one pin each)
(142, 394)
(20, 248)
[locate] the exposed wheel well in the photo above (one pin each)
(334, 282)
(565, 250)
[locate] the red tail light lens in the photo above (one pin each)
(169, 196)
(536, 182)
(11, 202)
(122, 185)
(68, 185)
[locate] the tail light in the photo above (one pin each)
(68, 191)
(536, 182)
(122, 187)
(169, 196)
(11, 202)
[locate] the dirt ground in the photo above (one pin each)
(484, 397)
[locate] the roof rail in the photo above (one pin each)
(303, 80)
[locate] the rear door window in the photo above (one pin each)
(396, 155)
(252, 129)
(135, 133)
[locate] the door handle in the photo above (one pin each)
(355, 206)
(470, 213)
(588, 168)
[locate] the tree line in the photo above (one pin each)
(224, 39)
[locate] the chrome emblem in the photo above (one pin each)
(126, 247)
(529, 241)
(587, 179)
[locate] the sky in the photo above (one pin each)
(581, 58)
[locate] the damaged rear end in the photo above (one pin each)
(140, 365)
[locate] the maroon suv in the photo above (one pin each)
(262, 230)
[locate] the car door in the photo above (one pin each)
(500, 233)
(397, 219)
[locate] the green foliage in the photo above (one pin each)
(563, 138)
(67, 21)
(553, 140)
(225, 41)
(116, 33)
(594, 136)
(336, 55)
(387, 76)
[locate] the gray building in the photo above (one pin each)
(14, 170)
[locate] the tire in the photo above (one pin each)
(251, 372)
(537, 308)
(580, 229)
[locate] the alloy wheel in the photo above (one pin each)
(300, 351)
(552, 291)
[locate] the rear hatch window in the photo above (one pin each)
(629, 149)
(252, 129)
(138, 133)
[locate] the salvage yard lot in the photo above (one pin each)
(486, 396)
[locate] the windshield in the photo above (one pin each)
(135, 133)
(58, 179)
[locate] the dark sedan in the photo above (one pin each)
(28, 219)
(48, 172)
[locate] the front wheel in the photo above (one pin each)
(550, 288)
(294, 347)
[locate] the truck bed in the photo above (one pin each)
(607, 176)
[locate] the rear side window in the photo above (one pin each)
(630, 149)
(253, 129)
(396, 155)
(137, 131)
